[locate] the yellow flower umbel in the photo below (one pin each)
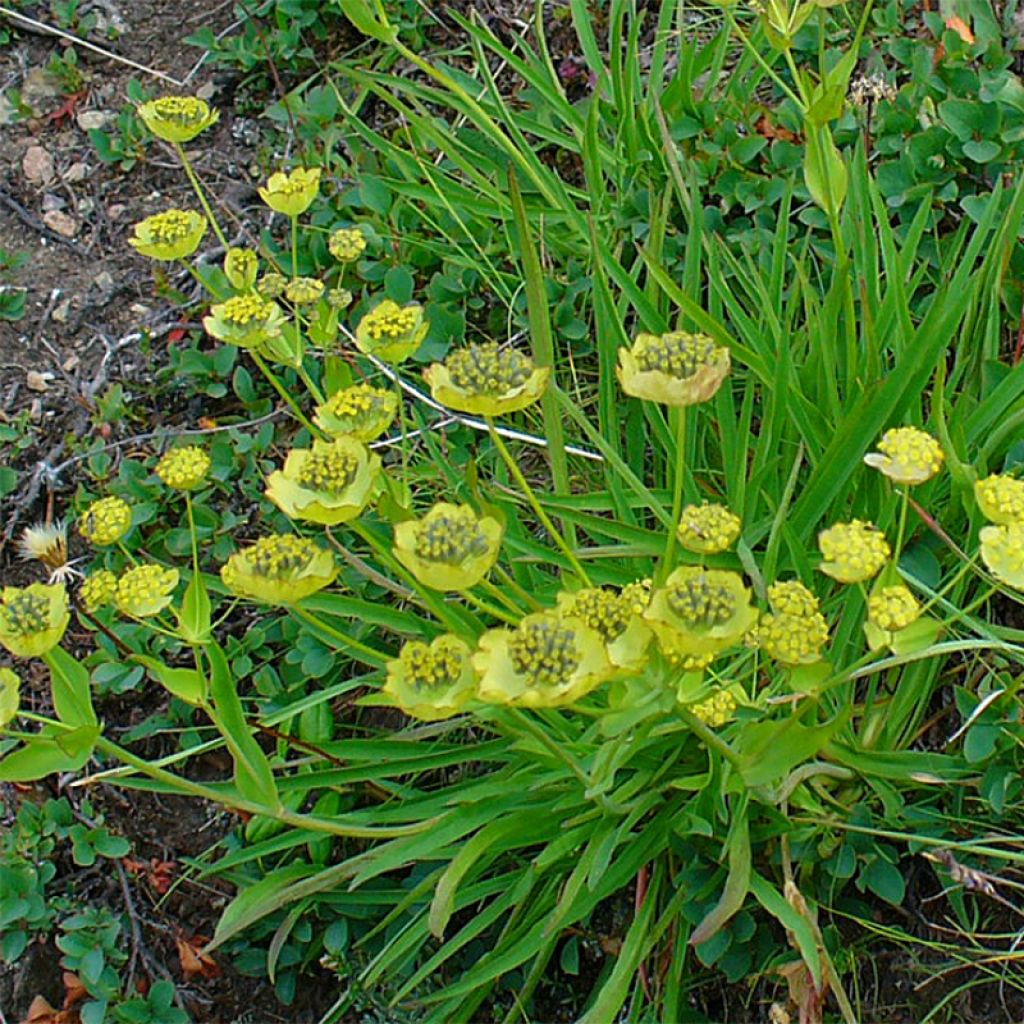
(245, 320)
(291, 194)
(1002, 550)
(98, 590)
(303, 291)
(240, 268)
(177, 118)
(431, 681)
(708, 529)
(272, 285)
(545, 662)
(676, 369)
(106, 521)
(1000, 498)
(361, 411)
(853, 552)
(280, 569)
(10, 685)
(717, 710)
(486, 380)
(184, 469)
(700, 612)
(893, 608)
(450, 548)
(330, 483)
(617, 616)
(797, 631)
(347, 244)
(145, 590)
(391, 332)
(907, 455)
(171, 235)
(33, 618)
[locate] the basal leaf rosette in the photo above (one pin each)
(1001, 499)
(33, 618)
(547, 661)
(292, 193)
(391, 332)
(360, 411)
(330, 483)
(486, 380)
(432, 681)
(853, 552)
(248, 321)
(177, 118)
(171, 235)
(106, 521)
(907, 455)
(708, 529)
(700, 612)
(279, 569)
(677, 368)
(617, 616)
(1002, 551)
(145, 590)
(450, 548)
(796, 631)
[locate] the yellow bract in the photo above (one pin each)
(177, 118)
(617, 616)
(853, 552)
(347, 244)
(431, 681)
(391, 332)
(330, 483)
(184, 468)
(486, 380)
(171, 235)
(145, 590)
(546, 662)
(240, 268)
(280, 569)
(106, 521)
(98, 590)
(907, 455)
(361, 411)
(678, 368)
(293, 193)
(700, 612)
(247, 321)
(10, 684)
(708, 529)
(1002, 550)
(1000, 498)
(33, 618)
(450, 548)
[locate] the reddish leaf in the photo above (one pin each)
(193, 960)
(961, 28)
(764, 127)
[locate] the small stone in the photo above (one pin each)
(37, 165)
(116, 211)
(77, 172)
(206, 91)
(36, 381)
(104, 281)
(139, 309)
(59, 221)
(52, 202)
(61, 312)
(70, 364)
(39, 90)
(92, 120)
(86, 206)
(35, 410)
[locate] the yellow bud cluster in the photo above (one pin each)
(145, 590)
(450, 536)
(106, 521)
(1002, 550)
(272, 285)
(243, 310)
(792, 639)
(892, 608)
(708, 529)
(853, 551)
(907, 455)
(347, 244)
(279, 556)
(677, 354)
(700, 602)
(544, 650)
(716, 710)
(330, 469)
(1001, 498)
(303, 291)
(98, 590)
(432, 667)
(601, 609)
(389, 322)
(791, 597)
(485, 369)
(185, 468)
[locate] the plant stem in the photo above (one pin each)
(311, 385)
(709, 737)
(677, 498)
(497, 592)
(284, 393)
(535, 504)
(198, 189)
(370, 655)
(295, 247)
(485, 606)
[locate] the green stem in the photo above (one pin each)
(485, 606)
(535, 504)
(295, 247)
(765, 66)
(370, 655)
(677, 498)
(311, 385)
(192, 532)
(709, 737)
(496, 592)
(562, 754)
(284, 393)
(198, 189)
(198, 277)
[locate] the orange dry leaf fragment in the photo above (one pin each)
(193, 960)
(961, 28)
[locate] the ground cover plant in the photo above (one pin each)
(628, 593)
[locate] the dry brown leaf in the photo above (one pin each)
(193, 960)
(961, 28)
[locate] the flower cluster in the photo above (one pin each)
(717, 709)
(291, 194)
(145, 590)
(279, 569)
(450, 548)
(1001, 500)
(33, 618)
(247, 321)
(678, 368)
(171, 235)
(185, 468)
(106, 521)
(361, 411)
(708, 529)
(177, 118)
(795, 631)
(391, 332)
(347, 244)
(486, 380)
(907, 456)
(853, 552)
